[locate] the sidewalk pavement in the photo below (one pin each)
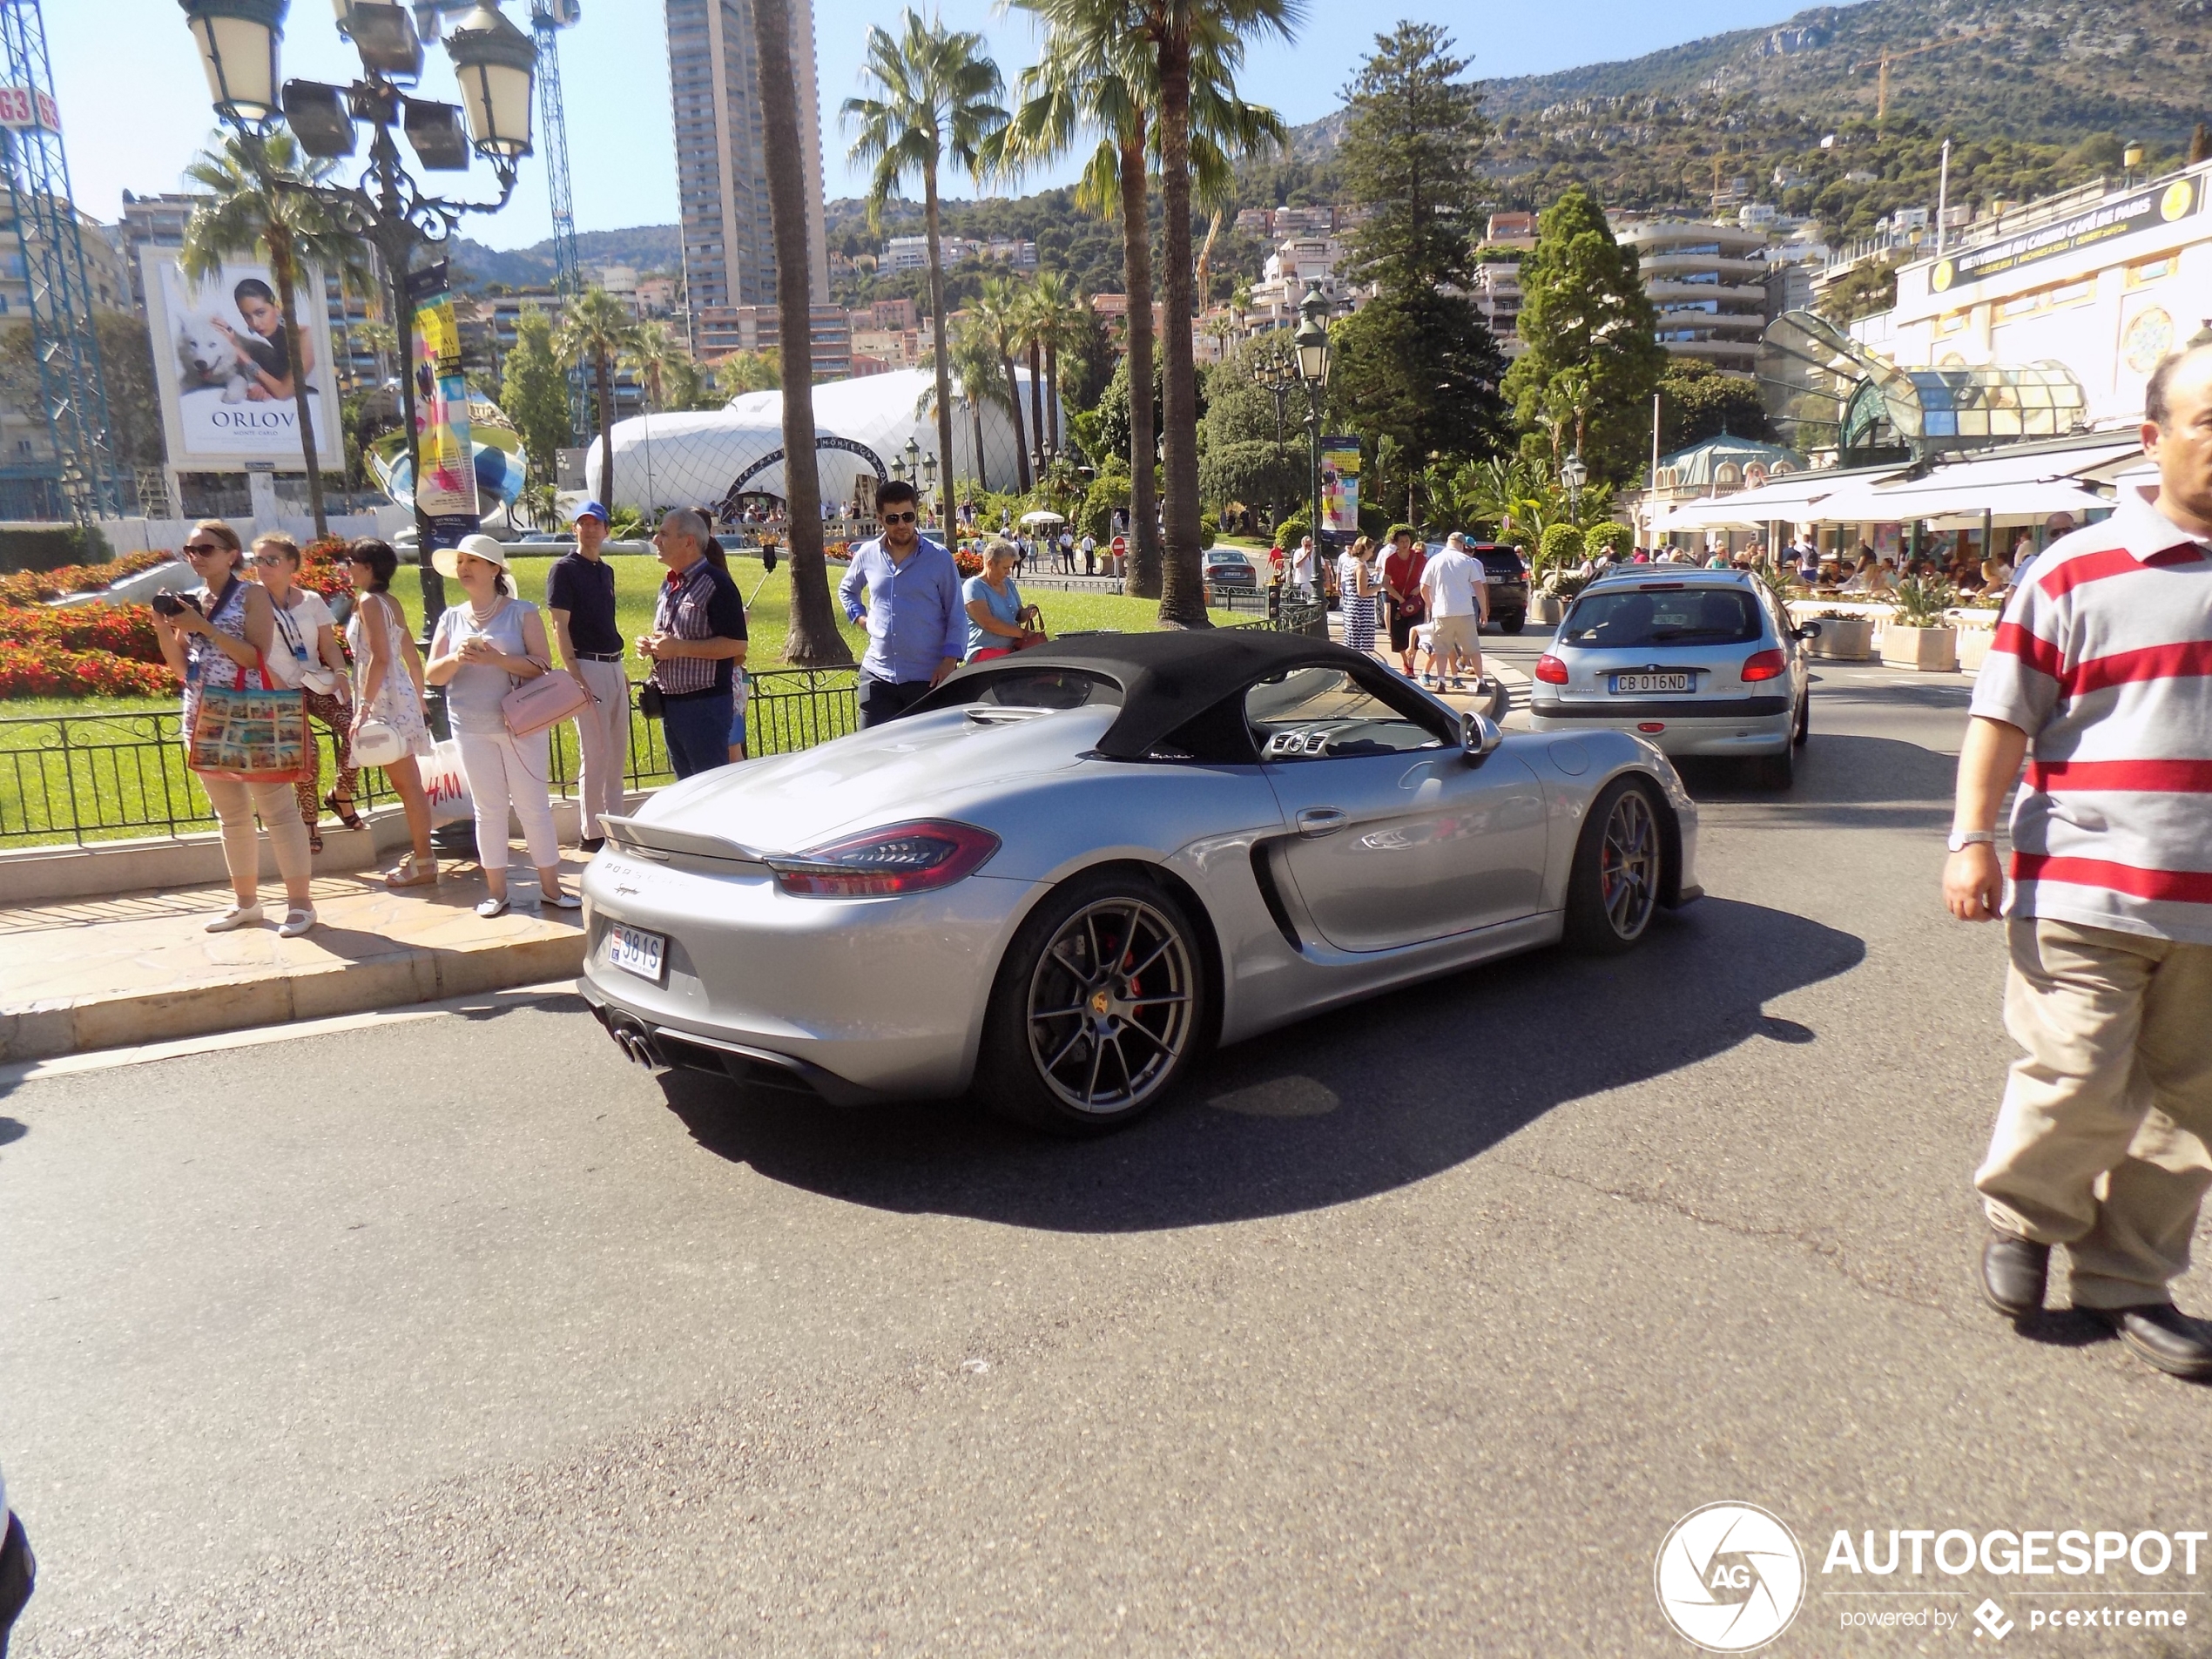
(141, 968)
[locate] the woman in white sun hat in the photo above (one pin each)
(482, 648)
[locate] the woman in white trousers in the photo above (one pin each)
(483, 648)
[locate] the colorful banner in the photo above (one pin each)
(447, 495)
(1340, 487)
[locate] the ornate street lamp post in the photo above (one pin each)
(495, 64)
(929, 485)
(1573, 475)
(1311, 345)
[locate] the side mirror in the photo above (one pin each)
(1479, 735)
(1808, 630)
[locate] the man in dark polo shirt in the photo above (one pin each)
(580, 597)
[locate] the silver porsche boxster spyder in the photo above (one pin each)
(1070, 871)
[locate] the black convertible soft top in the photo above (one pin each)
(1166, 678)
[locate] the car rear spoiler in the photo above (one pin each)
(658, 840)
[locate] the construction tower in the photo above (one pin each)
(42, 218)
(547, 18)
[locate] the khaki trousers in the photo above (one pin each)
(235, 804)
(2100, 1143)
(603, 739)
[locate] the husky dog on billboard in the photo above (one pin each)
(234, 377)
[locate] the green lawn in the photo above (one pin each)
(118, 771)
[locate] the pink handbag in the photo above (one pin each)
(550, 698)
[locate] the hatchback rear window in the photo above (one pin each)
(1685, 616)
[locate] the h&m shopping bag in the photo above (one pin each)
(447, 784)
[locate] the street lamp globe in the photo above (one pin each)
(1312, 340)
(494, 62)
(914, 457)
(238, 42)
(899, 468)
(1572, 473)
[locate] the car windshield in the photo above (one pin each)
(1685, 617)
(1308, 713)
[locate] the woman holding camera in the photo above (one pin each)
(224, 631)
(307, 654)
(483, 646)
(388, 692)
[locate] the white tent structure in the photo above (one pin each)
(861, 426)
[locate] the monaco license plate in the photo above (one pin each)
(635, 951)
(1632, 685)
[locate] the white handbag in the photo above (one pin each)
(377, 744)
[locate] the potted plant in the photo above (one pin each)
(1843, 636)
(1919, 635)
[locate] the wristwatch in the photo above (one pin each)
(1961, 839)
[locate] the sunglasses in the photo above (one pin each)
(201, 550)
(902, 518)
(271, 558)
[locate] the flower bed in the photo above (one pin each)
(37, 587)
(81, 650)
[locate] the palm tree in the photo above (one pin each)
(1061, 314)
(1186, 34)
(598, 328)
(1097, 76)
(656, 357)
(814, 640)
(1033, 321)
(938, 97)
(998, 314)
(249, 209)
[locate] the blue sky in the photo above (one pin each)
(134, 105)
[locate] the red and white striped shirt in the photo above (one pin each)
(2104, 659)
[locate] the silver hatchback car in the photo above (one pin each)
(1702, 663)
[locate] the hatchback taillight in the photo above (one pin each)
(919, 857)
(1550, 669)
(1764, 665)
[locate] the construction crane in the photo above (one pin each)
(42, 213)
(1887, 57)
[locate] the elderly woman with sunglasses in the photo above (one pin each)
(483, 646)
(224, 634)
(307, 654)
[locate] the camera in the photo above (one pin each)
(166, 603)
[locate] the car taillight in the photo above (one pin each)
(901, 858)
(1550, 669)
(1764, 665)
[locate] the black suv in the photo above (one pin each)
(1508, 581)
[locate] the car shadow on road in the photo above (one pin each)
(1842, 782)
(1342, 1106)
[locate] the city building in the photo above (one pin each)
(1257, 221)
(721, 172)
(720, 330)
(1511, 230)
(1297, 261)
(893, 348)
(1495, 291)
(1708, 284)
(901, 315)
(156, 221)
(912, 252)
(2104, 282)
(1303, 221)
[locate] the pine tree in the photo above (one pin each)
(1585, 316)
(1411, 132)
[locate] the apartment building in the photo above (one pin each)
(1708, 283)
(721, 330)
(721, 171)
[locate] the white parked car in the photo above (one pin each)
(1702, 663)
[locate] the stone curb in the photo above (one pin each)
(410, 974)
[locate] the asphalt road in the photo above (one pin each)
(1410, 1331)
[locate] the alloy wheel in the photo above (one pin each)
(1629, 865)
(1110, 1005)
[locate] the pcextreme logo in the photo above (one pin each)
(1730, 1577)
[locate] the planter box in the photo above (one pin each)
(1844, 639)
(1973, 646)
(1546, 608)
(1933, 649)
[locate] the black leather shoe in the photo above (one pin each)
(2161, 1335)
(2013, 1273)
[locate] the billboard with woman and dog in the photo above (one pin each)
(226, 376)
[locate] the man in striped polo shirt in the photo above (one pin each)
(2101, 677)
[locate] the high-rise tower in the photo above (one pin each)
(721, 179)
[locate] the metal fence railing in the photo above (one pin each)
(80, 777)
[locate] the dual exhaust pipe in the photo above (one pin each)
(631, 1039)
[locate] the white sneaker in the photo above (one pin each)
(297, 921)
(238, 915)
(488, 908)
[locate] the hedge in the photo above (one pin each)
(48, 547)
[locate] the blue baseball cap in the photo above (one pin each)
(593, 509)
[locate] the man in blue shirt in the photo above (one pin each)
(917, 625)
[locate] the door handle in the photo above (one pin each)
(1322, 820)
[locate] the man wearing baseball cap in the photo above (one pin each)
(580, 597)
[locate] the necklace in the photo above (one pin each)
(483, 617)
